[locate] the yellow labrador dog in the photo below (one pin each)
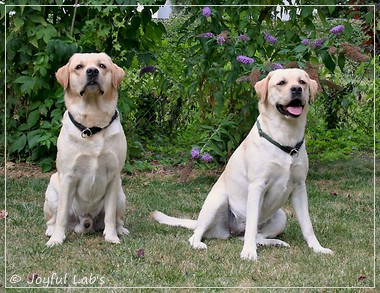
(86, 193)
(268, 167)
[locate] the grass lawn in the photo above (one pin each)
(340, 203)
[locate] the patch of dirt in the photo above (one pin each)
(181, 174)
(29, 170)
(22, 170)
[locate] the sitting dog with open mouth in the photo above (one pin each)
(269, 167)
(85, 194)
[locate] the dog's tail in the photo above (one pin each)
(172, 221)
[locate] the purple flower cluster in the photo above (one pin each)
(195, 153)
(207, 158)
(270, 39)
(220, 39)
(147, 69)
(206, 12)
(243, 38)
(318, 43)
(314, 44)
(206, 35)
(336, 30)
(244, 59)
(276, 66)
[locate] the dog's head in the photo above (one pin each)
(287, 91)
(90, 74)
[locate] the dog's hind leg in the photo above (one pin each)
(213, 218)
(271, 229)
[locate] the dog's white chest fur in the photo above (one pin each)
(280, 186)
(95, 175)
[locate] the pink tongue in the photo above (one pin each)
(294, 110)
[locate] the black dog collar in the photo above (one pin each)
(88, 131)
(293, 151)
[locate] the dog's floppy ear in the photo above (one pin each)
(117, 75)
(261, 87)
(313, 88)
(62, 76)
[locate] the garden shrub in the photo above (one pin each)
(189, 80)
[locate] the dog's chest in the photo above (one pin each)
(282, 182)
(94, 165)
(95, 174)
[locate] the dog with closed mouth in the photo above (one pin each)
(268, 167)
(85, 194)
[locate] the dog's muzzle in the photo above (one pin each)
(296, 106)
(92, 74)
(293, 109)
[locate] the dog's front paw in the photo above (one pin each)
(197, 244)
(249, 254)
(49, 231)
(55, 240)
(323, 250)
(111, 237)
(122, 231)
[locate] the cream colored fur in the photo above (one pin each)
(86, 193)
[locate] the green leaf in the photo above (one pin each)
(33, 118)
(38, 19)
(314, 60)
(300, 48)
(306, 11)
(341, 61)
(327, 60)
(27, 83)
(34, 41)
(33, 138)
(348, 30)
(146, 17)
(47, 164)
(322, 16)
(18, 23)
(216, 149)
(19, 144)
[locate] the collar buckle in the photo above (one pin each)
(86, 132)
(294, 153)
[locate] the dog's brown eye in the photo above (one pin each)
(302, 82)
(79, 66)
(282, 82)
(102, 66)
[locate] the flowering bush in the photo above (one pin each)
(234, 48)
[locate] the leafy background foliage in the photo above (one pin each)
(181, 89)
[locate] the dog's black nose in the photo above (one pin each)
(92, 72)
(296, 90)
